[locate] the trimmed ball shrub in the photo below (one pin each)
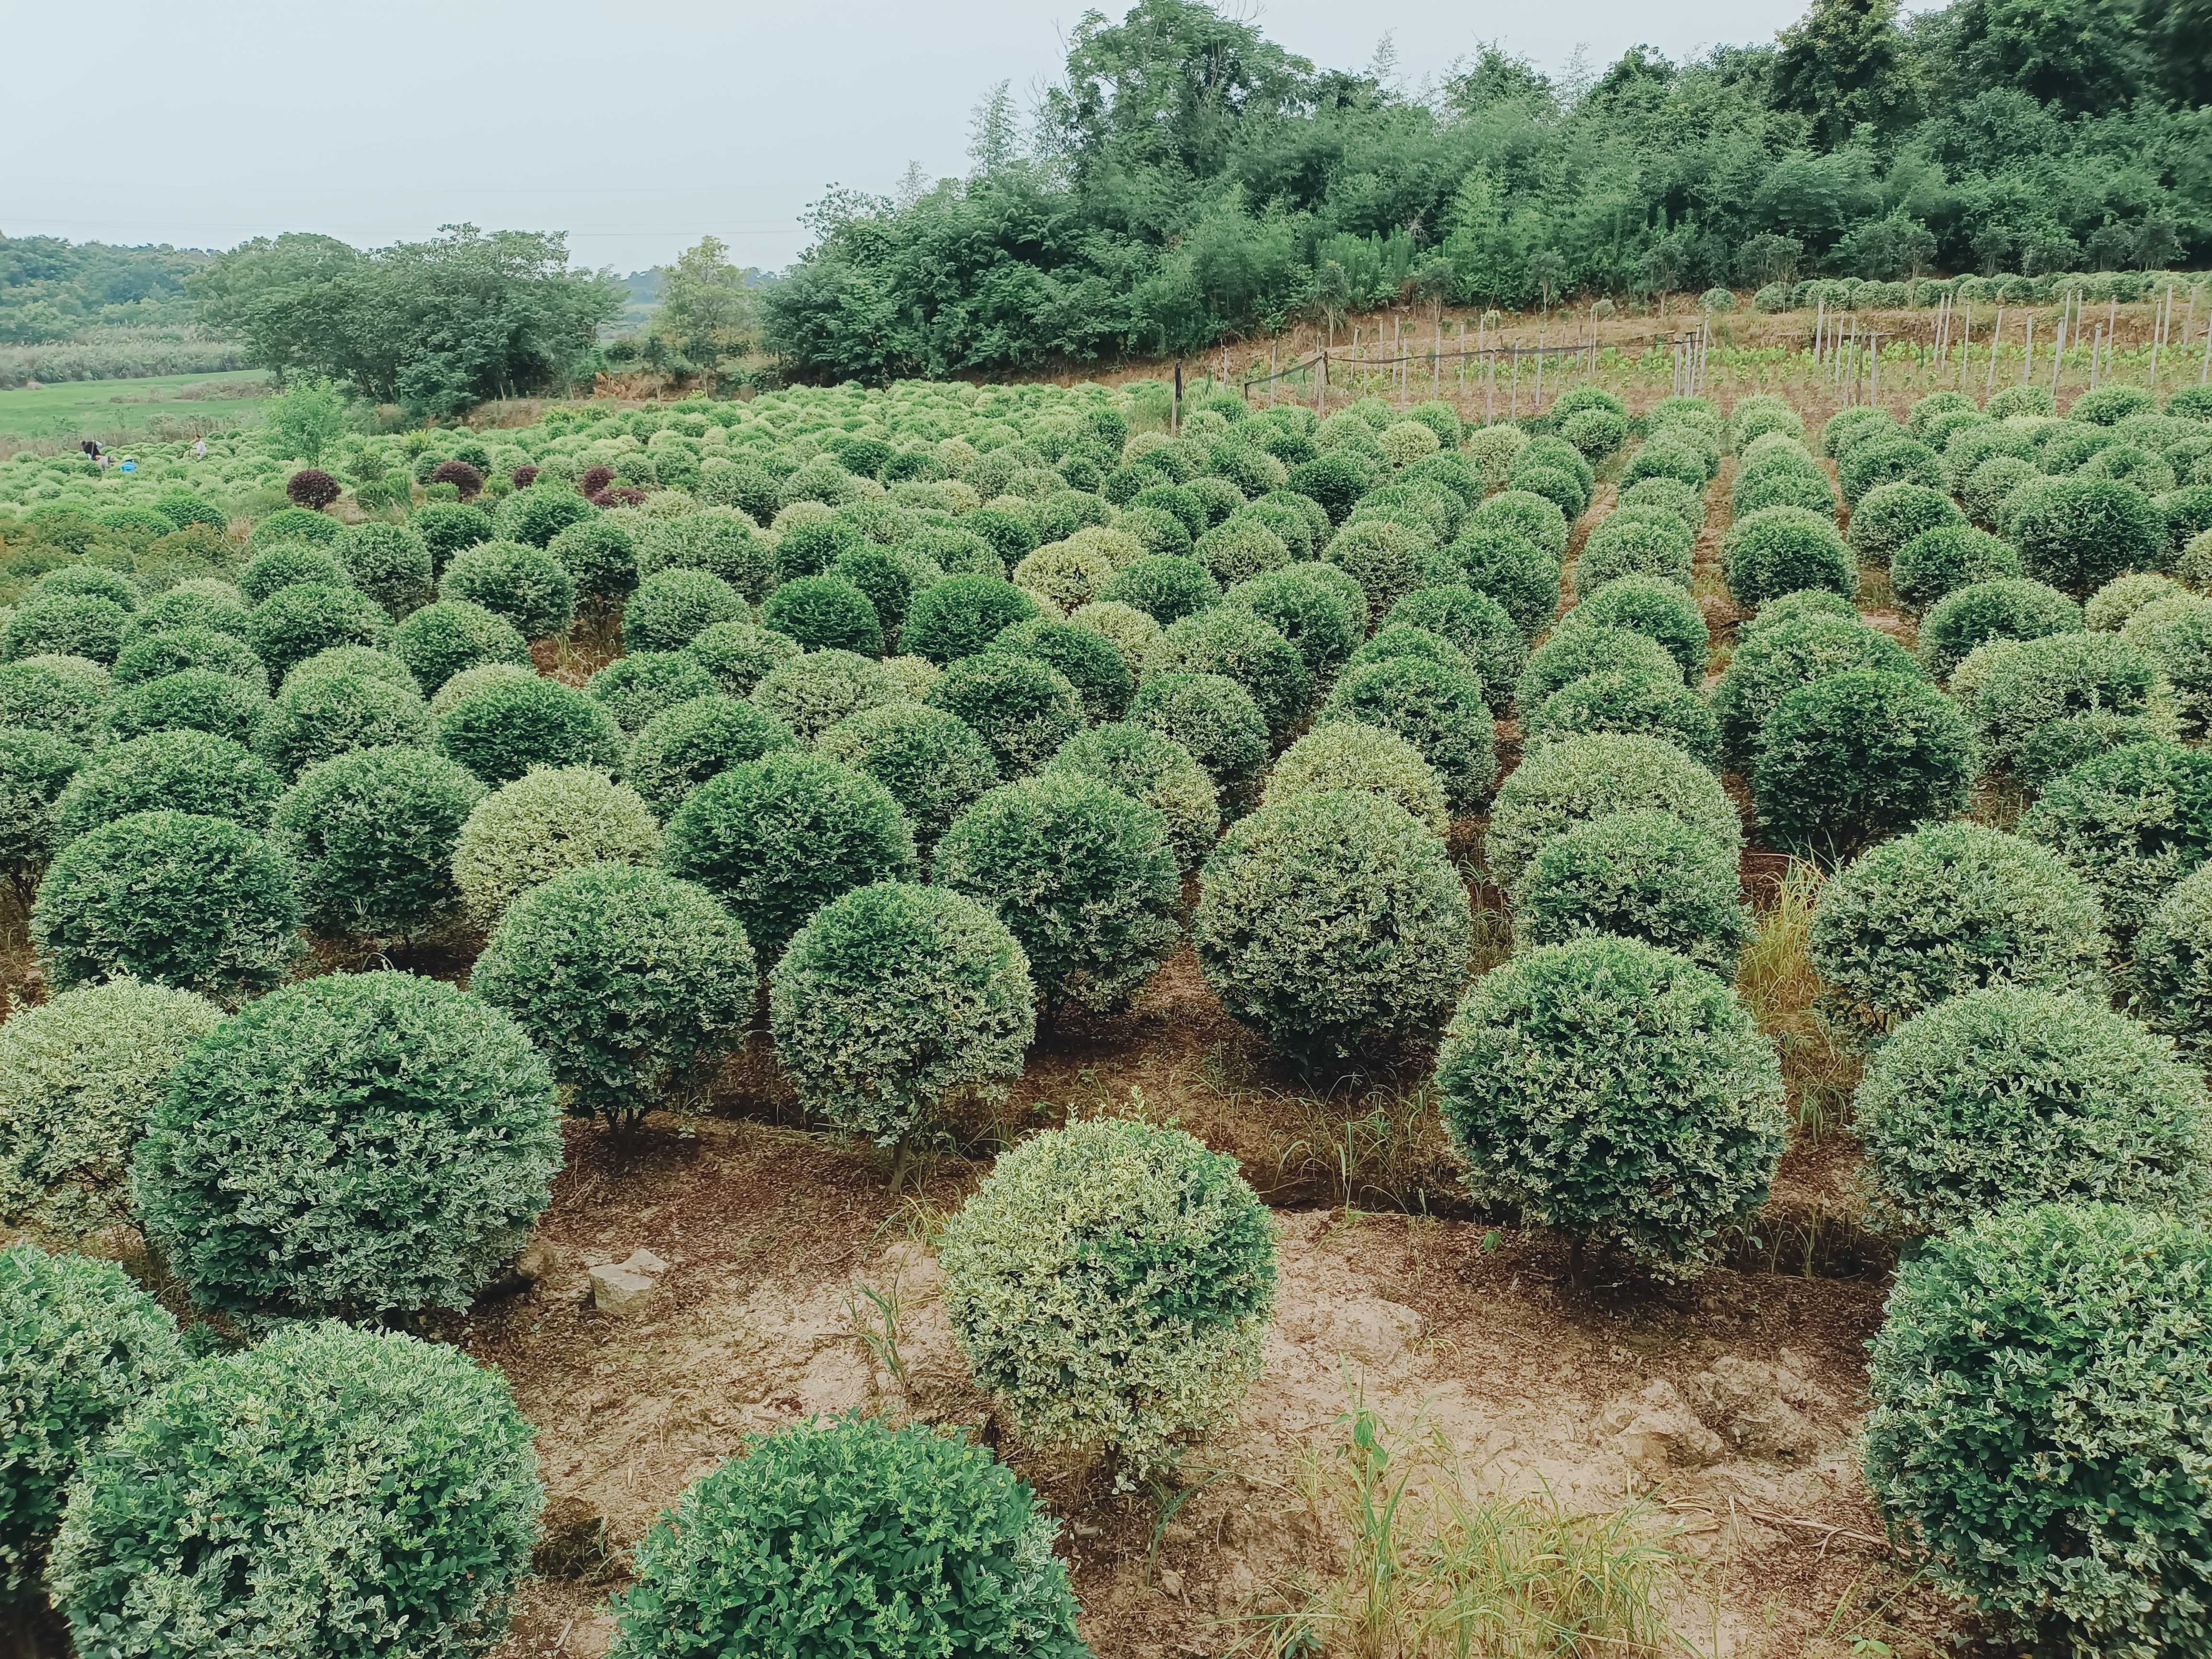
(2130, 823)
(1570, 782)
(2003, 609)
(454, 636)
(2172, 964)
(1111, 1284)
(1166, 587)
(932, 762)
(636, 687)
(894, 997)
(387, 561)
(777, 838)
(1949, 909)
(1511, 567)
(531, 587)
(191, 699)
(671, 608)
(1363, 760)
(1022, 707)
(1486, 635)
(198, 902)
(2041, 1415)
(2034, 687)
(939, 1548)
(1772, 662)
(66, 625)
(1942, 561)
(381, 1472)
(295, 523)
(536, 515)
(1239, 646)
(313, 488)
(960, 615)
(1633, 702)
(1855, 756)
(1090, 662)
(625, 978)
(2119, 601)
(1893, 515)
(1658, 609)
(1781, 549)
(1635, 544)
(447, 527)
(155, 655)
(1876, 460)
(1525, 514)
(2078, 533)
(599, 554)
(81, 1348)
(78, 1076)
(69, 695)
(1576, 650)
(1151, 768)
(1385, 558)
(511, 725)
(1305, 609)
(288, 565)
(739, 654)
(1335, 924)
(294, 622)
(682, 747)
(820, 612)
(297, 1135)
(551, 821)
(1439, 709)
(371, 837)
(1214, 718)
(35, 767)
(364, 660)
(1081, 873)
(1613, 1042)
(2006, 1097)
(317, 716)
(181, 771)
(1642, 875)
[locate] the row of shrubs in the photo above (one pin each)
(1860, 294)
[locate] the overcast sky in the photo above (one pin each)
(636, 126)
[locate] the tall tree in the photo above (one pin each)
(1845, 65)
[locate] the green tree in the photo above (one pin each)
(1845, 65)
(305, 419)
(706, 310)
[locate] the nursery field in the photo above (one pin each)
(113, 410)
(1405, 1020)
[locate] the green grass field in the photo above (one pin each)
(162, 405)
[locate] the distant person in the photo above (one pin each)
(91, 447)
(199, 448)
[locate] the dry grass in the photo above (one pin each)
(1776, 979)
(1431, 1566)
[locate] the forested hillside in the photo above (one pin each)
(1189, 176)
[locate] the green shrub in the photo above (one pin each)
(1803, 486)
(67, 625)
(181, 771)
(1893, 515)
(1938, 562)
(387, 561)
(777, 838)
(894, 996)
(184, 608)
(636, 687)
(1669, 495)
(454, 636)
(1237, 645)
(198, 902)
(2172, 964)
(191, 699)
(294, 1137)
(510, 726)
(1634, 544)
(371, 837)
(810, 546)
(1658, 609)
(1334, 924)
(960, 616)
(78, 1075)
(2079, 533)
(2004, 1097)
(600, 556)
(536, 515)
(672, 607)
(1855, 757)
(87, 581)
(2033, 687)
(155, 655)
(1950, 909)
(2111, 405)
(2119, 601)
(446, 528)
(1023, 708)
(1214, 718)
(1305, 609)
(1634, 701)
(551, 820)
(1385, 558)
(1771, 662)
(739, 654)
(81, 1349)
(1570, 781)
(2130, 823)
(1436, 707)
(1485, 634)
(1642, 875)
(294, 622)
(1576, 650)
(1986, 491)
(939, 1550)
(35, 767)
(531, 587)
(1346, 755)
(1780, 550)
(2040, 1419)
(382, 1472)
(625, 978)
(317, 716)
(1165, 587)
(1869, 465)
(1616, 1043)
(2177, 634)
(1081, 873)
(1151, 768)
(1111, 1284)
(295, 523)
(1512, 568)
(932, 762)
(365, 661)
(2012, 608)
(1089, 662)
(681, 748)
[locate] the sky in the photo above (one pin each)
(634, 125)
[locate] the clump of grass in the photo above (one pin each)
(1776, 979)
(1432, 1567)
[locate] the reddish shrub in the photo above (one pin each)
(523, 476)
(595, 479)
(459, 474)
(313, 488)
